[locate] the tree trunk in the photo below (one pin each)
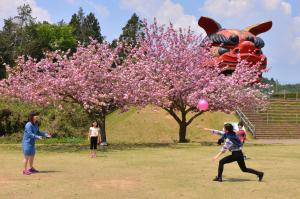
(182, 127)
(102, 128)
(182, 132)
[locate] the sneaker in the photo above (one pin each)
(26, 172)
(103, 144)
(219, 179)
(33, 170)
(260, 176)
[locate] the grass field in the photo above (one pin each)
(144, 161)
(149, 171)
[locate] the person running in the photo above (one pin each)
(233, 144)
(94, 137)
(31, 133)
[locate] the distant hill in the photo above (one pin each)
(278, 87)
(283, 90)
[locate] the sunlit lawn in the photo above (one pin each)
(149, 171)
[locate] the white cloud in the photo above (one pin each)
(228, 8)
(165, 11)
(8, 8)
(141, 6)
(271, 4)
(98, 9)
(286, 7)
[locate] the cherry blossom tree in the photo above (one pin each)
(173, 69)
(168, 68)
(86, 78)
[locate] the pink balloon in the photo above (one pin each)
(202, 105)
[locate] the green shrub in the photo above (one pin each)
(71, 121)
(10, 122)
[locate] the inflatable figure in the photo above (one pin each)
(231, 45)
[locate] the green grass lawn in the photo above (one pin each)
(154, 125)
(149, 171)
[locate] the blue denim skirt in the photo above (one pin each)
(28, 150)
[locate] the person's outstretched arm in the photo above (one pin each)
(214, 131)
(218, 155)
(224, 148)
(29, 132)
(43, 134)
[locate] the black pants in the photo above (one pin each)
(94, 141)
(239, 157)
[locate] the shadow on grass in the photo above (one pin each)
(63, 147)
(236, 180)
(50, 171)
(128, 146)
(109, 148)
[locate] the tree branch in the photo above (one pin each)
(192, 118)
(171, 112)
(190, 109)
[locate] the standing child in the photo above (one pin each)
(233, 144)
(31, 134)
(94, 138)
(241, 133)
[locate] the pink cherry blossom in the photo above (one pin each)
(173, 69)
(86, 78)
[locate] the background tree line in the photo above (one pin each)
(23, 35)
(280, 89)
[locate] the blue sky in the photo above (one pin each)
(282, 41)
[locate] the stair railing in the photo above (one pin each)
(246, 121)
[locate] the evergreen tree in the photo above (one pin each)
(132, 30)
(92, 28)
(21, 35)
(85, 27)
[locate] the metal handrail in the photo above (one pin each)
(246, 121)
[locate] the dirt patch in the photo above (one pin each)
(119, 184)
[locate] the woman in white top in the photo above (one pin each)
(94, 137)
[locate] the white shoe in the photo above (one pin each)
(103, 144)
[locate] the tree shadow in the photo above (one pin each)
(133, 146)
(65, 147)
(61, 148)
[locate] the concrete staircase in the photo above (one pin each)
(281, 120)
